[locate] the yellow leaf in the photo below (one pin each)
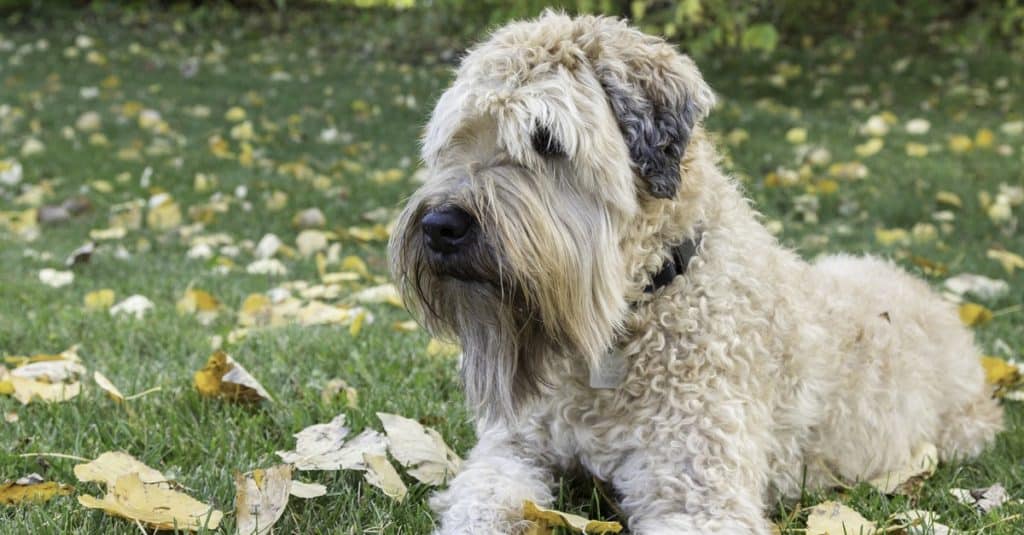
(1000, 372)
(1010, 261)
(111, 465)
(27, 390)
(984, 138)
(834, 518)
(256, 310)
(357, 324)
(356, 264)
(437, 348)
(337, 386)
(888, 237)
(200, 303)
(960, 143)
(164, 213)
(235, 114)
(100, 299)
(973, 314)
(869, 147)
(917, 150)
(381, 474)
(31, 489)
(948, 198)
(155, 506)
(796, 136)
(367, 234)
(545, 519)
(107, 386)
(260, 498)
(406, 326)
(223, 377)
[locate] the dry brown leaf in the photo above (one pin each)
(381, 474)
(918, 522)
(223, 377)
(155, 506)
(260, 499)
(31, 489)
(111, 465)
(421, 450)
(834, 518)
(909, 479)
(545, 519)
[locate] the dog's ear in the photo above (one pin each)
(656, 93)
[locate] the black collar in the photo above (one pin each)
(676, 264)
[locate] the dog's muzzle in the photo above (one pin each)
(448, 230)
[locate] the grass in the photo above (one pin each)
(326, 72)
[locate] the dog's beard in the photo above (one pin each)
(536, 284)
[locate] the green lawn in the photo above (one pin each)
(322, 91)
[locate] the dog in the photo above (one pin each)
(621, 309)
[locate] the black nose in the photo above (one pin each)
(447, 228)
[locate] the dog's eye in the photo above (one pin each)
(545, 144)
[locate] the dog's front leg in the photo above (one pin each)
(486, 497)
(669, 491)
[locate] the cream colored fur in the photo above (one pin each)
(753, 374)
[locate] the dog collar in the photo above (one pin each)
(676, 264)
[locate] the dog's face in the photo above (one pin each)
(554, 134)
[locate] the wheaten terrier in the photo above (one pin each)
(622, 309)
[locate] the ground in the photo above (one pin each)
(319, 89)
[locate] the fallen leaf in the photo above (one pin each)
(135, 305)
(31, 489)
(1000, 372)
(56, 279)
(323, 447)
(267, 266)
(1010, 261)
(155, 506)
(200, 303)
(385, 293)
(50, 371)
(27, 390)
(310, 241)
(111, 465)
(307, 491)
(260, 498)
(545, 519)
(918, 522)
(337, 386)
(256, 310)
(977, 285)
(984, 499)
(834, 518)
(421, 450)
(223, 377)
(99, 299)
(973, 314)
(909, 479)
(164, 214)
(381, 474)
(107, 386)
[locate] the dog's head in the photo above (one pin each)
(553, 136)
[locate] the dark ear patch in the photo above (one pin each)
(545, 143)
(655, 134)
